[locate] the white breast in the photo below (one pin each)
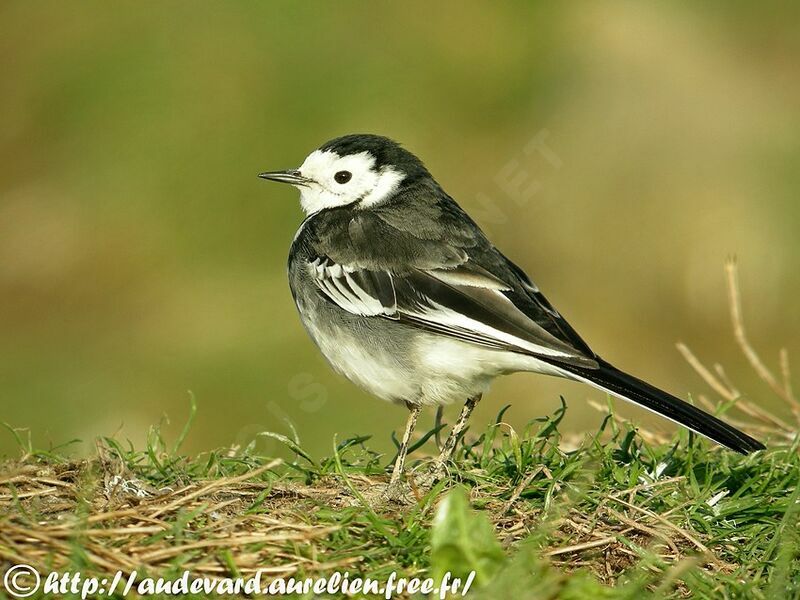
(371, 367)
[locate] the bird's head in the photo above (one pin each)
(360, 169)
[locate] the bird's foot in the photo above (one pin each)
(397, 492)
(436, 472)
(418, 484)
(415, 487)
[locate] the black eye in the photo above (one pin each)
(342, 176)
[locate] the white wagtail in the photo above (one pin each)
(406, 297)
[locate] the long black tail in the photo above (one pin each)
(627, 387)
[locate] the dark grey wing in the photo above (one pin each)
(424, 262)
(466, 302)
(533, 303)
(358, 291)
(445, 236)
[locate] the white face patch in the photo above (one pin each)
(366, 186)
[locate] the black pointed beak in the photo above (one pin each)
(291, 176)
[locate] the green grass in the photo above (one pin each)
(616, 518)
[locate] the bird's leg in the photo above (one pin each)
(438, 466)
(400, 461)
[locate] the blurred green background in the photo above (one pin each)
(141, 258)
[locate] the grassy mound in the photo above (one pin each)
(611, 518)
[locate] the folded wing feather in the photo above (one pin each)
(465, 302)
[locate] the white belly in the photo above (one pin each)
(455, 371)
(432, 370)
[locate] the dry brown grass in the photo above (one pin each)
(117, 522)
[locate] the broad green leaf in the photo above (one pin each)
(463, 540)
